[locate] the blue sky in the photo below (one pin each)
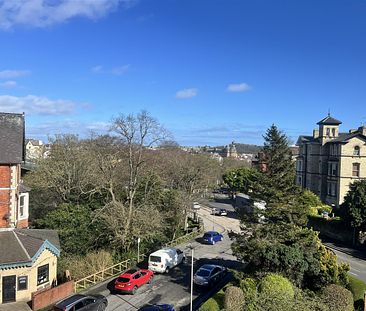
(211, 71)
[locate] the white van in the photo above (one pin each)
(165, 259)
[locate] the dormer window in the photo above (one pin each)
(356, 151)
(328, 131)
(333, 132)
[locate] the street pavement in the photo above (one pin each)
(174, 288)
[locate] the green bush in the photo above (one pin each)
(338, 298)
(210, 305)
(357, 288)
(249, 288)
(276, 293)
(234, 299)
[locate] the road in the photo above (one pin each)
(174, 288)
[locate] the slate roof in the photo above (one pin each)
(12, 138)
(328, 120)
(343, 137)
(21, 246)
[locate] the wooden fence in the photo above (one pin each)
(100, 276)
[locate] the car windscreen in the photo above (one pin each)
(203, 272)
(207, 235)
(155, 259)
(123, 280)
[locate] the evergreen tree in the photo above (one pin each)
(277, 183)
(354, 205)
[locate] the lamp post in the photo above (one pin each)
(192, 260)
(138, 249)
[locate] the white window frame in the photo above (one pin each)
(25, 197)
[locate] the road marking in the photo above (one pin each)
(356, 270)
(353, 273)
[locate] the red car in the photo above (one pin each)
(129, 281)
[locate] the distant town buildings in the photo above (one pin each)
(229, 151)
(35, 149)
(329, 161)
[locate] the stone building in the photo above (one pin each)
(329, 161)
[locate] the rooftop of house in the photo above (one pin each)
(23, 246)
(12, 137)
(328, 120)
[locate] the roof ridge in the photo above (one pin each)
(21, 245)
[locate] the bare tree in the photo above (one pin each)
(138, 133)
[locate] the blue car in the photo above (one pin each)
(211, 237)
(159, 307)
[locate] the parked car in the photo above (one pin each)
(219, 212)
(211, 237)
(196, 206)
(80, 302)
(208, 275)
(160, 307)
(165, 259)
(129, 281)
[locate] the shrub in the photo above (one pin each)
(249, 288)
(276, 293)
(210, 305)
(337, 298)
(234, 299)
(80, 267)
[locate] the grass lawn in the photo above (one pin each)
(358, 288)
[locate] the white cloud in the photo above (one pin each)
(118, 71)
(240, 87)
(42, 13)
(8, 74)
(32, 104)
(186, 93)
(8, 84)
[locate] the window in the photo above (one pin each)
(43, 274)
(79, 305)
(21, 206)
(299, 180)
(355, 169)
(331, 189)
(334, 169)
(333, 132)
(22, 282)
(356, 151)
(299, 165)
(328, 131)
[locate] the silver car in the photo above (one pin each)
(80, 302)
(208, 275)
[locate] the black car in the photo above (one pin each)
(80, 302)
(208, 275)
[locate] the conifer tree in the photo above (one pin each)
(277, 184)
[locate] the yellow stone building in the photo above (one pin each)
(329, 161)
(28, 262)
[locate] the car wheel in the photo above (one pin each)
(134, 290)
(150, 280)
(167, 270)
(102, 307)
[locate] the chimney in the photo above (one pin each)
(362, 130)
(315, 133)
